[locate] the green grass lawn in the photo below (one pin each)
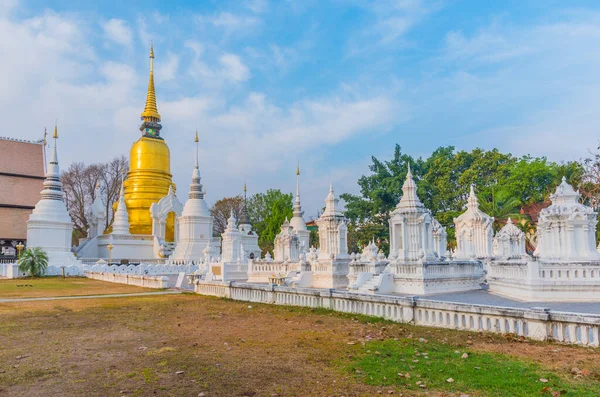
(423, 365)
(39, 287)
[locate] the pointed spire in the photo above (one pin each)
(409, 199)
(196, 186)
(472, 202)
(150, 113)
(52, 185)
(244, 218)
(297, 221)
(509, 221)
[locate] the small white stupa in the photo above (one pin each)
(50, 226)
(287, 244)
(232, 241)
(297, 221)
(567, 228)
(474, 232)
(195, 222)
(121, 223)
(411, 227)
(333, 230)
(509, 242)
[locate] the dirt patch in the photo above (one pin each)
(184, 345)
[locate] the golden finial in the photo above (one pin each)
(55, 135)
(244, 187)
(196, 140)
(298, 170)
(150, 112)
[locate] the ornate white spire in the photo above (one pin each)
(331, 203)
(231, 223)
(297, 221)
(409, 199)
(472, 202)
(565, 194)
(196, 191)
(52, 185)
(121, 223)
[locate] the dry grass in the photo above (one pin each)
(58, 286)
(136, 346)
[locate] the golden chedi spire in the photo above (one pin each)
(149, 178)
(150, 112)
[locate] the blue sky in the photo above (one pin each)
(327, 83)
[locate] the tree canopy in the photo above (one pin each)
(502, 181)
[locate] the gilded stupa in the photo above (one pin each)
(149, 178)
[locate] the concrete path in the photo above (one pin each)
(53, 298)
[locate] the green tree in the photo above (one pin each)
(503, 182)
(33, 261)
(267, 212)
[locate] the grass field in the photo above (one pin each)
(42, 287)
(185, 345)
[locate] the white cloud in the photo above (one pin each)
(232, 23)
(117, 31)
(233, 68)
(167, 69)
(257, 6)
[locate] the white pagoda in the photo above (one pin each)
(566, 264)
(195, 223)
(50, 226)
(474, 232)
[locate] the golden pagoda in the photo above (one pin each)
(149, 177)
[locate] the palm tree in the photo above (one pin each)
(501, 206)
(33, 261)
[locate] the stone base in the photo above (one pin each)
(437, 277)
(526, 291)
(540, 281)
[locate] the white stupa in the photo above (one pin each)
(195, 222)
(411, 226)
(333, 229)
(567, 228)
(50, 226)
(474, 231)
(297, 221)
(121, 223)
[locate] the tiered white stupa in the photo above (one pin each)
(566, 265)
(509, 242)
(474, 232)
(121, 223)
(297, 221)
(195, 222)
(333, 230)
(231, 241)
(287, 244)
(567, 229)
(414, 266)
(49, 226)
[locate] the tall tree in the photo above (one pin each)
(79, 184)
(267, 212)
(221, 211)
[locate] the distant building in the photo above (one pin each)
(21, 177)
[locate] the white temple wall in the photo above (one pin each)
(533, 323)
